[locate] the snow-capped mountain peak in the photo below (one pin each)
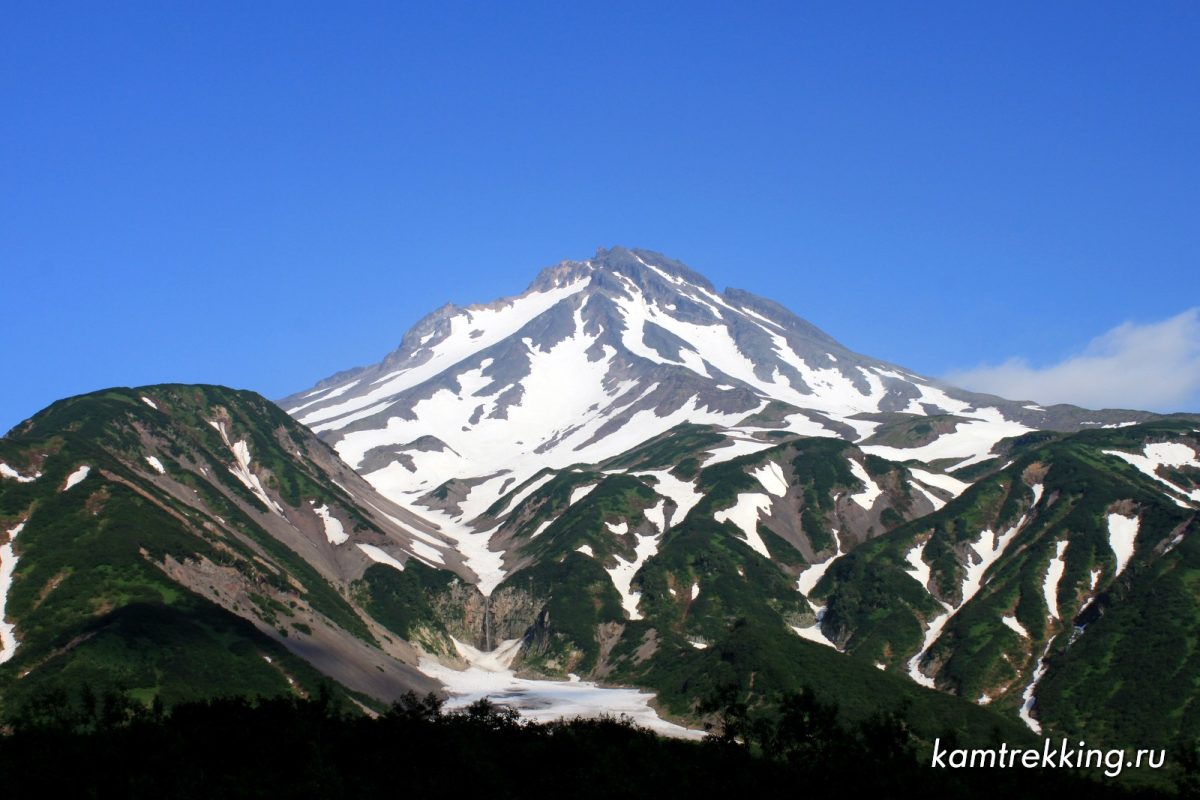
(600, 355)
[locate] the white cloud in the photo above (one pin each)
(1154, 367)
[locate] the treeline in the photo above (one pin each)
(87, 746)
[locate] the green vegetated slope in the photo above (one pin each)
(713, 611)
(1120, 649)
(174, 584)
(190, 582)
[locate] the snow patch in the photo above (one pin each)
(586, 549)
(8, 472)
(158, 467)
(1027, 698)
(334, 532)
(1163, 454)
(1012, 623)
(489, 676)
(77, 476)
(580, 492)
(241, 468)
(149, 402)
(472, 545)
(380, 556)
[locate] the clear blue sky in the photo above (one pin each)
(260, 194)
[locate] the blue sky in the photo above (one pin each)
(260, 194)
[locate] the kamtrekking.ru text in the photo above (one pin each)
(1048, 757)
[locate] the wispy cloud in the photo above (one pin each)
(1154, 367)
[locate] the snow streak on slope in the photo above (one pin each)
(1122, 535)
(811, 576)
(1016, 626)
(813, 632)
(714, 347)
(734, 447)
(334, 531)
(622, 574)
(935, 501)
(682, 493)
(156, 464)
(580, 492)
(919, 569)
(750, 506)
(8, 564)
(770, 475)
(487, 564)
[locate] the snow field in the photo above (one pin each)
(8, 565)
(489, 676)
(1012, 623)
